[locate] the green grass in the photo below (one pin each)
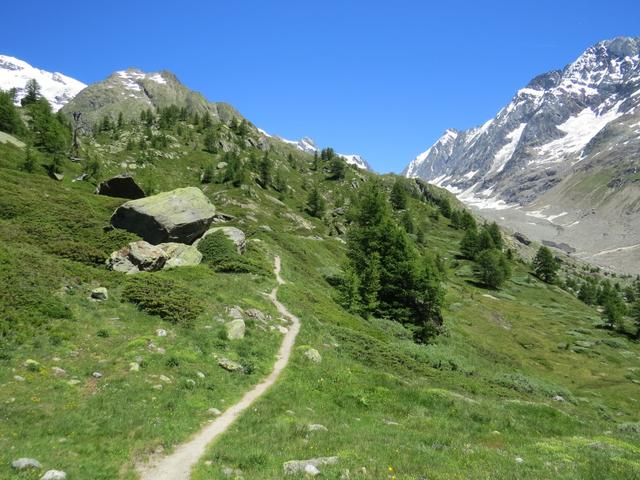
(464, 406)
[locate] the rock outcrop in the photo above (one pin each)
(234, 234)
(181, 215)
(137, 257)
(122, 186)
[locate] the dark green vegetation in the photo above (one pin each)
(524, 371)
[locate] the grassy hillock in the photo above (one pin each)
(521, 383)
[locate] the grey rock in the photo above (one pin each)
(181, 215)
(137, 257)
(316, 427)
(122, 186)
(96, 375)
(235, 329)
(58, 372)
(214, 411)
(99, 293)
(18, 378)
(25, 463)
(256, 314)
(180, 255)
(234, 234)
(294, 467)
(235, 312)
(54, 475)
(230, 365)
(313, 355)
(161, 332)
(522, 238)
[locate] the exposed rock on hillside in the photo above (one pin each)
(122, 186)
(181, 215)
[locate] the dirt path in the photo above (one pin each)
(178, 465)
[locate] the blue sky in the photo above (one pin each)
(383, 79)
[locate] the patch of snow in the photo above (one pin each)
(356, 160)
(471, 174)
(128, 79)
(267, 135)
(156, 77)
(505, 153)
(579, 130)
(57, 88)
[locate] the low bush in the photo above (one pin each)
(162, 297)
(220, 253)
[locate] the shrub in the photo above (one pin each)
(78, 252)
(165, 298)
(220, 254)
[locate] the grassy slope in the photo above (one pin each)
(496, 370)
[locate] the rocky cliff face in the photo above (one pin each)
(561, 160)
(133, 91)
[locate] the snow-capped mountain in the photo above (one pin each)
(57, 88)
(307, 145)
(565, 143)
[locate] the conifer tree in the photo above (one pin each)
(492, 268)
(315, 203)
(469, 244)
(264, 171)
(545, 266)
(32, 93)
(10, 121)
(398, 195)
(337, 168)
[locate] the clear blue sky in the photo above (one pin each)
(383, 79)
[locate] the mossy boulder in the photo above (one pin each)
(181, 215)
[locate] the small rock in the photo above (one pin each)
(73, 381)
(294, 467)
(18, 378)
(558, 398)
(214, 411)
(58, 372)
(96, 375)
(316, 427)
(313, 355)
(161, 332)
(157, 387)
(311, 470)
(519, 460)
(24, 463)
(282, 329)
(230, 365)
(191, 382)
(134, 367)
(99, 293)
(54, 475)
(257, 314)
(235, 329)
(390, 422)
(165, 379)
(235, 313)
(200, 374)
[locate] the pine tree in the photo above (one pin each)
(485, 240)
(337, 168)
(30, 163)
(407, 222)
(208, 174)
(467, 221)
(635, 315)
(469, 244)
(315, 203)
(120, 121)
(614, 310)
(492, 268)
(48, 133)
(33, 93)
(210, 142)
(588, 292)
(349, 291)
(10, 121)
(264, 171)
(496, 235)
(545, 266)
(398, 195)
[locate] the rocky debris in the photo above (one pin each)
(180, 255)
(200, 375)
(96, 375)
(230, 365)
(311, 470)
(316, 427)
(134, 367)
(54, 475)
(522, 238)
(229, 472)
(99, 293)
(137, 257)
(161, 332)
(181, 215)
(221, 165)
(56, 176)
(235, 312)
(58, 372)
(73, 382)
(80, 178)
(235, 329)
(164, 378)
(234, 234)
(256, 314)
(558, 398)
(121, 186)
(24, 463)
(214, 411)
(294, 467)
(157, 387)
(313, 355)
(298, 220)
(18, 378)
(519, 460)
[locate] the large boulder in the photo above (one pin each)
(137, 257)
(180, 255)
(235, 329)
(181, 215)
(122, 186)
(234, 234)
